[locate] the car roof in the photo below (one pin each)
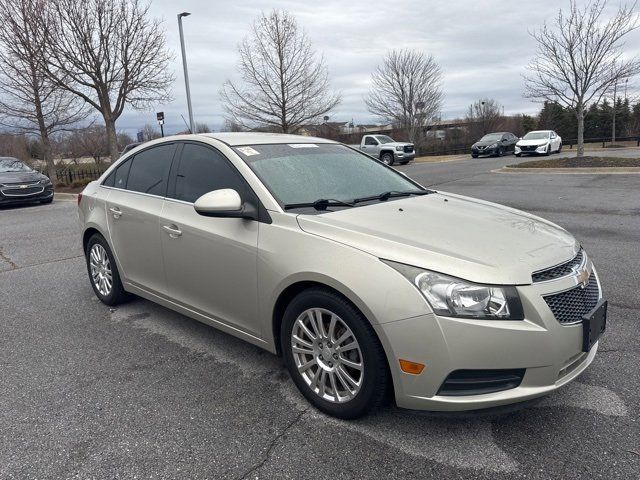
(260, 138)
(540, 131)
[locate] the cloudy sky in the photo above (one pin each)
(482, 47)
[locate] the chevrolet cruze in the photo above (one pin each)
(365, 282)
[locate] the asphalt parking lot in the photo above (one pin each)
(140, 391)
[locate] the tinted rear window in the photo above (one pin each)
(150, 169)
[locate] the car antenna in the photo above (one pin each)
(186, 124)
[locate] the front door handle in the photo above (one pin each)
(172, 230)
(117, 213)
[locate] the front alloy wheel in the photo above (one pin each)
(333, 354)
(327, 355)
(387, 158)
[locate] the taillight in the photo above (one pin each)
(79, 198)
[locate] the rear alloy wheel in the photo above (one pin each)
(387, 158)
(103, 272)
(333, 355)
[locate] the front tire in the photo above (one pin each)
(547, 151)
(333, 354)
(387, 158)
(103, 272)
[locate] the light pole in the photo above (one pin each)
(184, 66)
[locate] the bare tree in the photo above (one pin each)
(231, 126)
(30, 102)
(580, 58)
(202, 127)
(110, 53)
(150, 132)
(406, 90)
(284, 84)
(90, 141)
(484, 116)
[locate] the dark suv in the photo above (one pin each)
(21, 184)
(494, 144)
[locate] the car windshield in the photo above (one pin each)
(306, 173)
(385, 139)
(12, 165)
(491, 137)
(536, 136)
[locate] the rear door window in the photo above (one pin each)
(150, 170)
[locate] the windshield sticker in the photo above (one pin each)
(248, 151)
(303, 145)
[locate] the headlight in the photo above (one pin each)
(493, 145)
(454, 297)
(45, 181)
(399, 149)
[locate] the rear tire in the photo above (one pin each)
(103, 272)
(323, 382)
(387, 158)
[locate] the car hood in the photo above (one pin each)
(485, 143)
(459, 236)
(20, 177)
(395, 144)
(539, 141)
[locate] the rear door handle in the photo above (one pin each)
(172, 230)
(117, 213)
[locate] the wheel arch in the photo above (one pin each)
(288, 293)
(382, 152)
(87, 234)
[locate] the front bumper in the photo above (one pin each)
(550, 353)
(484, 151)
(404, 157)
(13, 196)
(531, 151)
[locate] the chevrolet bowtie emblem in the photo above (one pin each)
(583, 277)
(24, 186)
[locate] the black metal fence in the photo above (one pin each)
(79, 175)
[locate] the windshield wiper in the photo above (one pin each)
(383, 197)
(320, 204)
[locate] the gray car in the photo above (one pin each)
(369, 285)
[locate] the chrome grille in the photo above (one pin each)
(559, 271)
(22, 192)
(408, 148)
(568, 307)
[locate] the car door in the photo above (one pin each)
(210, 263)
(133, 208)
(371, 146)
(512, 142)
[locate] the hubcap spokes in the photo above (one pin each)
(327, 355)
(100, 266)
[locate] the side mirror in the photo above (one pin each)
(224, 203)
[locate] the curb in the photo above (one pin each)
(573, 171)
(65, 197)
